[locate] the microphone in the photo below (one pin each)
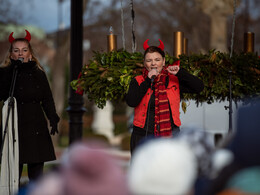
(21, 60)
(152, 78)
(18, 62)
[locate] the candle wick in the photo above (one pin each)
(111, 30)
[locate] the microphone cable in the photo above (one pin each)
(149, 104)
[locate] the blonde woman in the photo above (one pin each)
(34, 103)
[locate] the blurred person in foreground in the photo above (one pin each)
(34, 103)
(241, 176)
(163, 166)
(155, 95)
(86, 168)
(203, 148)
(51, 183)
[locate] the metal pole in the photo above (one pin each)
(230, 129)
(76, 108)
(230, 102)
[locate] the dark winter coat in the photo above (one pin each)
(34, 104)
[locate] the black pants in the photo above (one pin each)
(35, 170)
(139, 136)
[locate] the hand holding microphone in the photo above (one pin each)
(152, 74)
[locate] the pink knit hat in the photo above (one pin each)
(88, 169)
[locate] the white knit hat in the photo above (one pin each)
(162, 166)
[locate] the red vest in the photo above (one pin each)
(173, 94)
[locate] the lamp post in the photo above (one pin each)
(75, 108)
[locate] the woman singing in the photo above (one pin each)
(155, 95)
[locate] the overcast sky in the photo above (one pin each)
(44, 14)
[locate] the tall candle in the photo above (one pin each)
(111, 40)
(178, 43)
(249, 38)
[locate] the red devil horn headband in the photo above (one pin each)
(27, 37)
(145, 45)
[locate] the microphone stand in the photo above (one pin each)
(10, 107)
(230, 102)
